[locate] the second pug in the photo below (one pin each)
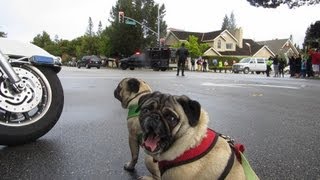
(128, 92)
(176, 135)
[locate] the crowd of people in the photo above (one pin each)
(307, 65)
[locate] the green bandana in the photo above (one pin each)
(250, 174)
(133, 111)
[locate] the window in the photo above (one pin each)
(229, 46)
(219, 44)
(260, 61)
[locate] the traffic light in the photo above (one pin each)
(121, 17)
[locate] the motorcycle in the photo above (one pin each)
(31, 94)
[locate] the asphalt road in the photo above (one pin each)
(277, 119)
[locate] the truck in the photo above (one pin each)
(154, 58)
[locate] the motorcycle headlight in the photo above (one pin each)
(41, 60)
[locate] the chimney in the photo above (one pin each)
(238, 35)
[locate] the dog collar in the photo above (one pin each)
(192, 154)
(133, 111)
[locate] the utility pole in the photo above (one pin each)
(124, 19)
(159, 27)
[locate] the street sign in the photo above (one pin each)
(130, 22)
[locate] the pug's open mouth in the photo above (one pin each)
(154, 143)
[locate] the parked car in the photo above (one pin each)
(89, 61)
(250, 64)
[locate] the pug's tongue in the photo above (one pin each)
(151, 142)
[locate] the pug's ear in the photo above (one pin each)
(191, 108)
(133, 85)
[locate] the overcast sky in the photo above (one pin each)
(24, 19)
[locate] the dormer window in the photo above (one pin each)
(219, 44)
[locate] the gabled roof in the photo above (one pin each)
(245, 50)
(274, 45)
(211, 35)
(184, 35)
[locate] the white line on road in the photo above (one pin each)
(246, 85)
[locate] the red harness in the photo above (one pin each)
(193, 154)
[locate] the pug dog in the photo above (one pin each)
(176, 135)
(128, 92)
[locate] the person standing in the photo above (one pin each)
(226, 64)
(193, 64)
(298, 66)
(303, 67)
(269, 63)
(182, 54)
(204, 65)
(282, 64)
(215, 63)
(220, 66)
(276, 66)
(292, 66)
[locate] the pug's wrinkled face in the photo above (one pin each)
(161, 118)
(129, 88)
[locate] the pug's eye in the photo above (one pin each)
(172, 120)
(145, 110)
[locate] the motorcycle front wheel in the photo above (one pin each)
(30, 114)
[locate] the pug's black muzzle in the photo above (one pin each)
(117, 94)
(153, 125)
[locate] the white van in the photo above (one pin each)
(250, 64)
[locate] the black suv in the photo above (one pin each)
(136, 60)
(89, 61)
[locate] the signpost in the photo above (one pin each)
(131, 21)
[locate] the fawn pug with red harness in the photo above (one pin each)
(176, 135)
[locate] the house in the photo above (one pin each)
(281, 47)
(224, 43)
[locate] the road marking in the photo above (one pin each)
(246, 85)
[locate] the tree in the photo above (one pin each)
(232, 23)
(195, 49)
(276, 3)
(225, 23)
(99, 29)
(229, 23)
(312, 38)
(126, 39)
(42, 40)
(3, 34)
(89, 31)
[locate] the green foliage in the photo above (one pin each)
(195, 49)
(229, 23)
(126, 39)
(312, 38)
(277, 3)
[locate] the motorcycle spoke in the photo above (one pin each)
(26, 116)
(7, 116)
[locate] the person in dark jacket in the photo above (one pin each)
(182, 54)
(298, 65)
(292, 66)
(282, 64)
